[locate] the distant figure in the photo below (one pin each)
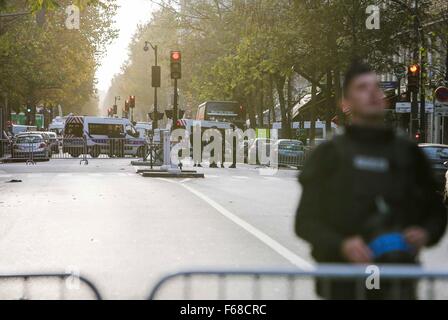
(369, 196)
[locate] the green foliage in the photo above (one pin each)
(250, 50)
(54, 65)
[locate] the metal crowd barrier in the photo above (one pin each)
(297, 161)
(73, 148)
(51, 286)
(265, 284)
(293, 161)
(29, 152)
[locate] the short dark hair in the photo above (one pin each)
(356, 69)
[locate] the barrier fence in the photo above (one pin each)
(51, 286)
(298, 284)
(34, 148)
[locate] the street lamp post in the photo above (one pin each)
(156, 112)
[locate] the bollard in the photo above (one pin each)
(167, 165)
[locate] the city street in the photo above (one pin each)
(124, 231)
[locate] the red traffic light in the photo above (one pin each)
(414, 69)
(126, 105)
(176, 65)
(418, 136)
(175, 55)
(132, 102)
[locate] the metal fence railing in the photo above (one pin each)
(297, 284)
(51, 286)
(29, 150)
(296, 160)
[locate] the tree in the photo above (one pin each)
(52, 65)
(257, 51)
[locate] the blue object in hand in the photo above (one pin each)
(387, 243)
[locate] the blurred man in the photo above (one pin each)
(368, 194)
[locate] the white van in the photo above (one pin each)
(143, 128)
(57, 125)
(17, 128)
(98, 135)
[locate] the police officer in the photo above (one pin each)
(368, 194)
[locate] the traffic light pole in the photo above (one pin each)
(175, 105)
(422, 101)
(422, 56)
(414, 112)
(176, 74)
(156, 111)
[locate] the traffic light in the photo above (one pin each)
(413, 77)
(110, 112)
(418, 136)
(132, 102)
(126, 106)
(30, 115)
(115, 109)
(169, 113)
(176, 64)
(156, 76)
(160, 115)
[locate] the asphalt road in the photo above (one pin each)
(124, 231)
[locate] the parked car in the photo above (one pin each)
(53, 141)
(31, 145)
(50, 138)
(17, 129)
(437, 155)
(290, 153)
(254, 147)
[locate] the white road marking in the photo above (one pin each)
(95, 174)
(273, 178)
(5, 175)
(64, 175)
(185, 180)
(267, 240)
(211, 176)
(34, 175)
(122, 174)
(240, 177)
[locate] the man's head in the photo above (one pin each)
(362, 93)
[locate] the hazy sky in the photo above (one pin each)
(129, 15)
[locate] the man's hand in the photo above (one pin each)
(355, 250)
(416, 236)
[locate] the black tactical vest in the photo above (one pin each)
(368, 170)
